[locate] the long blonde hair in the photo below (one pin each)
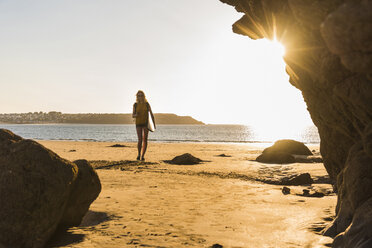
(144, 96)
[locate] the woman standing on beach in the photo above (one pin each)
(141, 110)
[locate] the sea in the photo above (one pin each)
(163, 133)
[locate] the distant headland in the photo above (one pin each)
(90, 118)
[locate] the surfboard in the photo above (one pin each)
(150, 123)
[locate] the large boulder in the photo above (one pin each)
(282, 152)
(329, 57)
(273, 157)
(36, 188)
(288, 146)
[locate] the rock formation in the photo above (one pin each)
(273, 157)
(329, 58)
(86, 189)
(39, 191)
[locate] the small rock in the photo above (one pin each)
(317, 160)
(185, 159)
(72, 151)
(216, 246)
(306, 192)
(317, 194)
(118, 145)
(302, 179)
(223, 155)
(286, 190)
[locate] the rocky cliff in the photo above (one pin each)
(329, 58)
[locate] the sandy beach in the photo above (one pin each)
(225, 200)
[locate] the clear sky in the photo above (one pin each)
(80, 56)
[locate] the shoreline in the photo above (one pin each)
(110, 124)
(231, 134)
(220, 201)
(258, 143)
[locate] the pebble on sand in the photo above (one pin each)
(286, 190)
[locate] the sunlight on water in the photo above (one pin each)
(164, 133)
(271, 133)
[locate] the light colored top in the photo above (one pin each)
(142, 113)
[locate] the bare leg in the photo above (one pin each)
(145, 136)
(139, 144)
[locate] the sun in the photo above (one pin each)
(278, 47)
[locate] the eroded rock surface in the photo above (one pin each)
(302, 179)
(274, 157)
(36, 188)
(329, 58)
(87, 187)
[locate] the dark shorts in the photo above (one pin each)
(141, 125)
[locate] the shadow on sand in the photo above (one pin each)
(63, 237)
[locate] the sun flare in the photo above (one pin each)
(273, 107)
(279, 47)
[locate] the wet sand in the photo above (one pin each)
(224, 200)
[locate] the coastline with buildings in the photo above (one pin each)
(89, 118)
